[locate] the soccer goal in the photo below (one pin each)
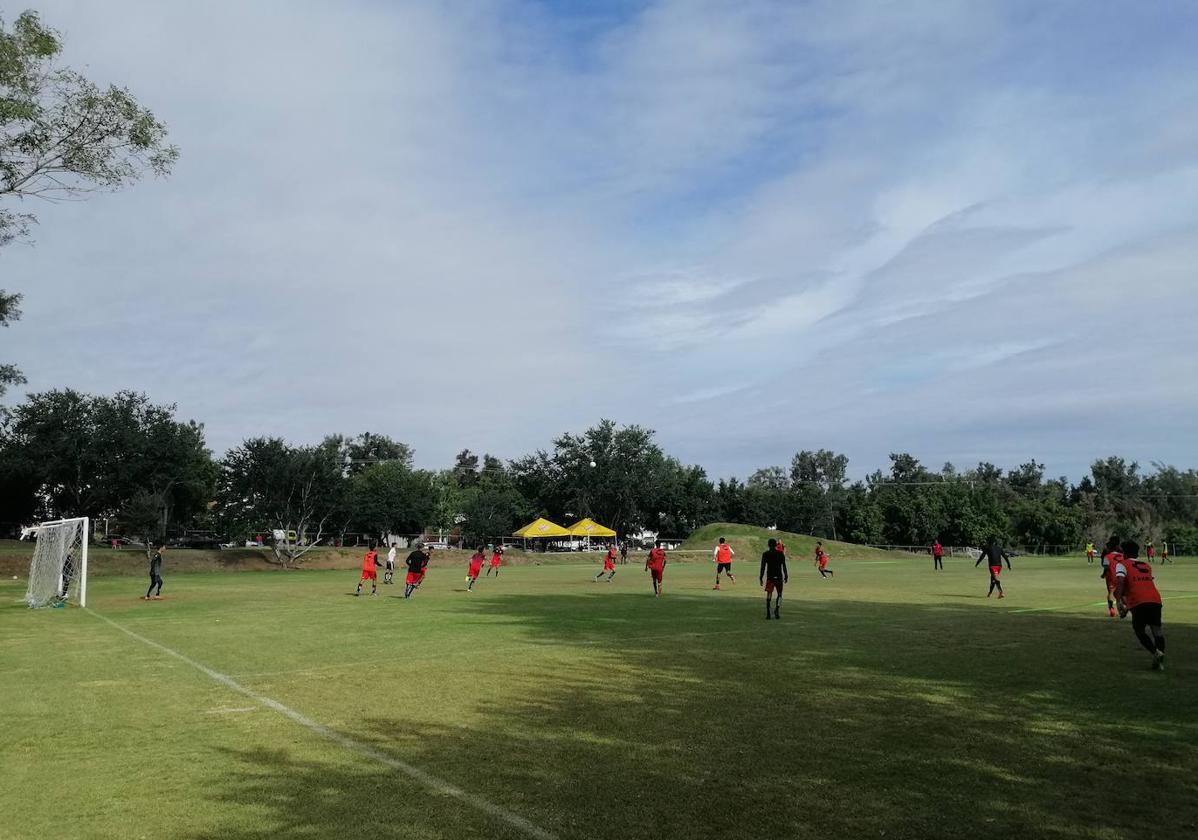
(58, 571)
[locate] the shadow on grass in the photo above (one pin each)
(694, 718)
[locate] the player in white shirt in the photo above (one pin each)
(389, 575)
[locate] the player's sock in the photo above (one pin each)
(1160, 642)
(407, 591)
(767, 608)
(778, 607)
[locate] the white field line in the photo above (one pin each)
(432, 782)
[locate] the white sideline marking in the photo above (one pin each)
(426, 779)
(231, 711)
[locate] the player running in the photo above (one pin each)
(655, 564)
(609, 565)
(155, 576)
(389, 574)
(1089, 552)
(1151, 551)
(370, 566)
(821, 561)
(475, 568)
(496, 561)
(937, 556)
(994, 555)
(722, 556)
(1136, 593)
(772, 577)
(417, 567)
(1110, 556)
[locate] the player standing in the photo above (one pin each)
(821, 561)
(417, 565)
(389, 574)
(655, 564)
(1165, 553)
(1151, 551)
(609, 565)
(370, 564)
(475, 568)
(1136, 592)
(155, 575)
(623, 554)
(772, 577)
(994, 555)
(496, 560)
(1110, 556)
(1089, 552)
(937, 556)
(722, 556)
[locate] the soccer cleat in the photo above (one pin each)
(1000, 595)
(767, 615)
(777, 614)
(717, 586)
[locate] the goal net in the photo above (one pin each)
(58, 571)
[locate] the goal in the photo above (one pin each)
(58, 571)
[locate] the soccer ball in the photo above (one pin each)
(592, 463)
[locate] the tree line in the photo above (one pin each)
(127, 460)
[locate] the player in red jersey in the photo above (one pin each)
(496, 561)
(1110, 556)
(994, 555)
(655, 564)
(417, 567)
(772, 577)
(370, 564)
(1136, 593)
(722, 555)
(1151, 551)
(821, 561)
(475, 568)
(937, 556)
(609, 564)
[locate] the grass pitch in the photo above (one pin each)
(890, 702)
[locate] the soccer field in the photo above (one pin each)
(890, 702)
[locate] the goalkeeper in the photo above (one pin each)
(155, 575)
(68, 572)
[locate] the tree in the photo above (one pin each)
(9, 312)
(465, 469)
(82, 455)
(493, 507)
(267, 485)
(388, 497)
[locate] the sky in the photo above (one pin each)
(965, 230)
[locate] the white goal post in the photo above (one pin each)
(58, 570)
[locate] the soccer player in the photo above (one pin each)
(781, 546)
(821, 561)
(624, 554)
(370, 564)
(1151, 551)
(655, 564)
(1136, 593)
(772, 577)
(68, 574)
(1089, 552)
(609, 565)
(475, 568)
(1110, 556)
(937, 556)
(417, 565)
(155, 575)
(722, 556)
(994, 555)
(496, 561)
(389, 575)
(1165, 553)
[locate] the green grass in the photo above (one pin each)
(888, 702)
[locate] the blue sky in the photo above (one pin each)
(965, 230)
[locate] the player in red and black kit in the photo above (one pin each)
(937, 556)
(994, 555)
(496, 561)
(773, 576)
(655, 564)
(1136, 593)
(1110, 556)
(417, 566)
(609, 564)
(821, 561)
(370, 564)
(475, 568)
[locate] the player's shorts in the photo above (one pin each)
(773, 585)
(723, 567)
(995, 571)
(390, 567)
(656, 574)
(413, 578)
(1146, 614)
(474, 572)
(609, 566)
(823, 564)
(495, 564)
(370, 575)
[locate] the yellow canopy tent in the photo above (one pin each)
(540, 529)
(590, 528)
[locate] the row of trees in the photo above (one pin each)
(150, 474)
